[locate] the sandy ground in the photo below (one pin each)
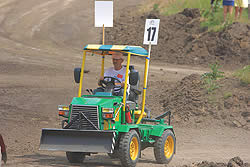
(40, 46)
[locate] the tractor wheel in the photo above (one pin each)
(114, 155)
(164, 148)
(75, 157)
(129, 148)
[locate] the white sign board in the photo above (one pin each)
(104, 13)
(151, 31)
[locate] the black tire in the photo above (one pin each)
(164, 148)
(114, 155)
(75, 157)
(129, 148)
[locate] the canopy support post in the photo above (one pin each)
(103, 55)
(145, 84)
(125, 88)
(81, 76)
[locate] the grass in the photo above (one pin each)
(180, 5)
(212, 20)
(243, 74)
(227, 95)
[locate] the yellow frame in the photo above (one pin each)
(126, 79)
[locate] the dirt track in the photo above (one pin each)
(40, 45)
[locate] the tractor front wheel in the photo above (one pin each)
(115, 154)
(75, 157)
(129, 148)
(164, 148)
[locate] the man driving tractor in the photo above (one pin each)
(117, 72)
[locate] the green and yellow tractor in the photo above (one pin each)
(104, 123)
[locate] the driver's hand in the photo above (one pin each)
(101, 79)
(120, 84)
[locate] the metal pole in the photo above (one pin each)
(81, 76)
(103, 56)
(125, 88)
(145, 84)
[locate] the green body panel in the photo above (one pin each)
(103, 101)
(148, 129)
(147, 132)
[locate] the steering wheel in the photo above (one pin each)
(110, 84)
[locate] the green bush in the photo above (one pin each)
(215, 74)
(211, 77)
(210, 85)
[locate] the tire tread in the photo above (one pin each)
(159, 155)
(124, 148)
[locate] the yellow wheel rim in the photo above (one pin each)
(169, 147)
(134, 148)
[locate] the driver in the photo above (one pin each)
(117, 71)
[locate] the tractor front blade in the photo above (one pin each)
(73, 140)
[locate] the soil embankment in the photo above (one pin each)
(183, 41)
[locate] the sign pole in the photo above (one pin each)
(103, 34)
(103, 18)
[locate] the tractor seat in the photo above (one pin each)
(134, 80)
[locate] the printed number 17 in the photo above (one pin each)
(149, 33)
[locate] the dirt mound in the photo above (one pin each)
(191, 102)
(233, 162)
(183, 41)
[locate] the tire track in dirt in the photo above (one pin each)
(23, 19)
(16, 23)
(5, 3)
(49, 14)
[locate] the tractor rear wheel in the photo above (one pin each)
(164, 148)
(75, 157)
(129, 148)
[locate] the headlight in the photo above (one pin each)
(107, 113)
(63, 110)
(105, 110)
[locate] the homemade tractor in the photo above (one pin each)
(104, 123)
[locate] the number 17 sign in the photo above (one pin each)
(151, 31)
